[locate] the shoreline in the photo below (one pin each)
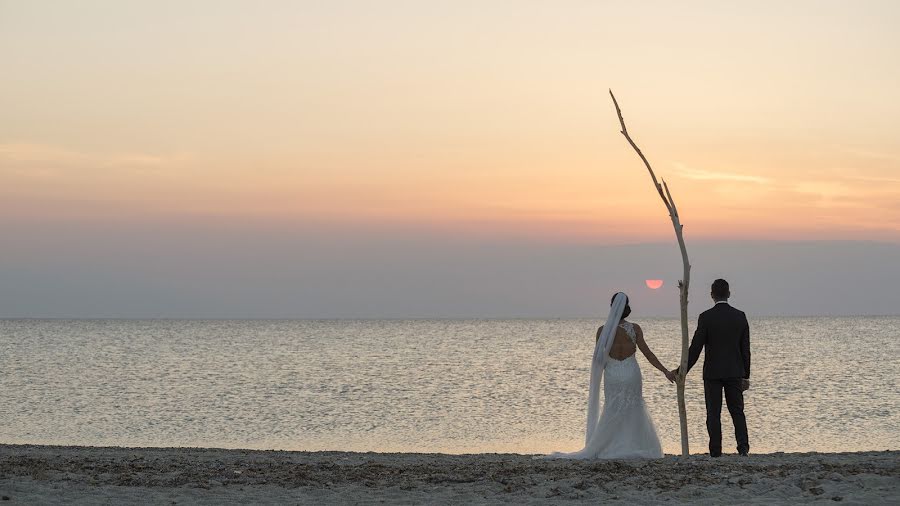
(32, 474)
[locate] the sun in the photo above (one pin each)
(654, 284)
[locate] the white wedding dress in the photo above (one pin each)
(624, 429)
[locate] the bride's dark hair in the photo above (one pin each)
(627, 310)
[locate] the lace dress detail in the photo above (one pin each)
(628, 327)
(625, 429)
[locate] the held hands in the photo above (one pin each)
(670, 375)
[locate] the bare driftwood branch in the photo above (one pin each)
(669, 196)
(659, 188)
(683, 284)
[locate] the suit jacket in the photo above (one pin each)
(725, 333)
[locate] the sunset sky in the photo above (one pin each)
(189, 130)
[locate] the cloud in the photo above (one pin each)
(707, 175)
(878, 155)
(28, 152)
(19, 154)
(44, 181)
(875, 179)
(824, 189)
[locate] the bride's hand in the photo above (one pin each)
(670, 375)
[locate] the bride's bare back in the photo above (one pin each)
(623, 347)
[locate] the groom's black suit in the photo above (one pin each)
(725, 333)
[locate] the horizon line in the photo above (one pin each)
(413, 318)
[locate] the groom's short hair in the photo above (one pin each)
(720, 289)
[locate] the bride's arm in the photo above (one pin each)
(642, 345)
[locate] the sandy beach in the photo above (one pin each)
(86, 475)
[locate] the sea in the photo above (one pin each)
(823, 384)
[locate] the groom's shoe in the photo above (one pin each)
(744, 453)
(715, 455)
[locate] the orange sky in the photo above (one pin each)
(767, 120)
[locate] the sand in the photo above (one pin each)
(85, 475)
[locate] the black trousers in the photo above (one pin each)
(734, 398)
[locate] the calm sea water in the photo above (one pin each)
(460, 386)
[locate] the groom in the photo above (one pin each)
(725, 333)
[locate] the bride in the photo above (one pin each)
(624, 428)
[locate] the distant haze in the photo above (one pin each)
(260, 273)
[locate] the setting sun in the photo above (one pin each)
(654, 284)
